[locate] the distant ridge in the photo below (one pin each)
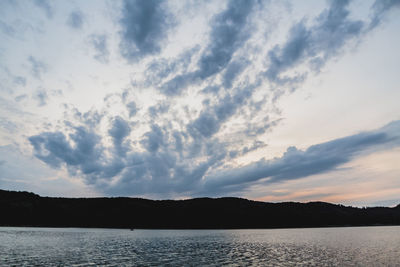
(29, 209)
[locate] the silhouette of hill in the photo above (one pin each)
(29, 209)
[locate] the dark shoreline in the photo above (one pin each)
(24, 209)
(196, 229)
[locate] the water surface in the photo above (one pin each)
(352, 246)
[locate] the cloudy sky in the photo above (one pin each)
(267, 100)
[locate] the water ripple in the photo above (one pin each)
(363, 246)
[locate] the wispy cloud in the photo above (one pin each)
(230, 30)
(41, 96)
(37, 67)
(380, 9)
(315, 44)
(296, 164)
(100, 44)
(46, 7)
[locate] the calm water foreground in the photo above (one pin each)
(352, 246)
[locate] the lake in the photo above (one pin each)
(351, 246)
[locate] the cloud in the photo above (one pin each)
(33, 176)
(230, 30)
(84, 155)
(99, 43)
(132, 109)
(159, 108)
(313, 45)
(166, 162)
(296, 164)
(46, 7)
(7, 29)
(20, 97)
(160, 160)
(212, 118)
(163, 160)
(159, 69)
(75, 19)
(8, 125)
(153, 139)
(174, 86)
(9, 82)
(233, 70)
(206, 124)
(19, 80)
(37, 67)
(256, 145)
(41, 96)
(144, 24)
(187, 148)
(119, 131)
(380, 8)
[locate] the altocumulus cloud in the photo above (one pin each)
(230, 30)
(314, 44)
(171, 148)
(159, 170)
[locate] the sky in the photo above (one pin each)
(266, 100)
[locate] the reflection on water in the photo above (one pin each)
(353, 246)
